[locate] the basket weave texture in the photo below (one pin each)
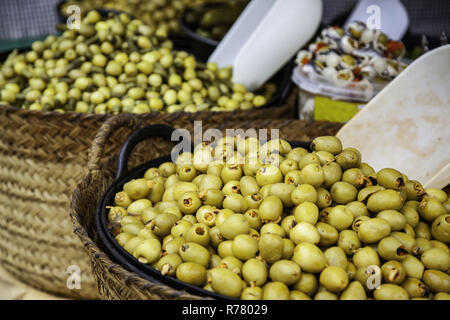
(115, 282)
(43, 157)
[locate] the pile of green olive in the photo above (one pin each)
(270, 221)
(116, 65)
(159, 14)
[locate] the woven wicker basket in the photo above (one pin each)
(114, 282)
(42, 158)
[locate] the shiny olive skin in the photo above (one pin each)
(440, 228)
(354, 291)
(310, 158)
(343, 192)
(304, 193)
(252, 293)
(329, 235)
(373, 230)
(385, 200)
(336, 257)
(226, 282)
(436, 280)
(192, 273)
(234, 225)
(306, 212)
(365, 257)
(312, 174)
(232, 263)
(396, 220)
(348, 159)
(194, 252)
(327, 143)
(366, 169)
(431, 208)
(390, 178)
(270, 247)
(270, 208)
(416, 288)
(355, 177)
(391, 248)
(357, 208)
(309, 257)
(307, 283)
(349, 241)
(275, 291)
(436, 258)
(268, 174)
(325, 295)
(364, 193)
(390, 292)
(285, 271)
(334, 279)
(304, 232)
(414, 268)
(255, 272)
(298, 295)
(244, 247)
(332, 173)
(340, 217)
(393, 272)
(422, 230)
(439, 194)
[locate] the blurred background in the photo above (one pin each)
(25, 19)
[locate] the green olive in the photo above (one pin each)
(212, 197)
(436, 258)
(357, 208)
(248, 185)
(222, 215)
(273, 228)
(324, 157)
(254, 272)
(192, 273)
(312, 174)
(390, 178)
(422, 230)
(275, 291)
(224, 248)
(168, 264)
(252, 293)
(440, 228)
(442, 296)
(393, 272)
(189, 202)
(207, 215)
(173, 246)
(304, 232)
(288, 223)
(328, 234)
(309, 158)
(180, 228)
(148, 251)
(270, 247)
(303, 193)
(306, 212)
(436, 280)
(336, 257)
(298, 295)
(414, 268)
(373, 230)
(325, 295)
(438, 194)
(340, 217)
(351, 270)
(138, 206)
(431, 208)
(355, 177)
(307, 283)
(270, 208)
(137, 189)
(296, 153)
(334, 278)
(349, 241)
(226, 282)
(288, 248)
(365, 257)
(234, 225)
(232, 264)
(364, 193)
(253, 218)
(408, 241)
(210, 182)
(123, 238)
(396, 220)
(244, 247)
(413, 190)
(411, 215)
(231, 172)
(283, 191)
(385, 200)
(235, 202)
(416, 288)
(332, 173)
(198, 233)
(354, 291)
(268, 174)
(327, 143)
(390, 292)
(309, 257)
(293, 177)
(163, 223)
(287, 166)
(285, 271)
(194, 252)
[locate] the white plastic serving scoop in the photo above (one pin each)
(265, 36)
(407, 125)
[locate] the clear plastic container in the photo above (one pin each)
(323, 99)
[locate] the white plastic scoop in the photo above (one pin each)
(265, 36)
(407, 125)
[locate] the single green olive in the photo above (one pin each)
(232, 264)
(312, 174)
(354, 291)
(304, 193)
(436, 258)
(226, 282)
(396, 220)
(268, 174)
(357, 208)
(307, 283)
(422, 230)
(414, 268)
(390, 292)
(373, 230)
(244, 247)
(255, 272)
(336, 257)
(298, 295)
(306, 212)
(340, 217)
(334, 278)
(270, 208)
(431, 208)
(270, 247)
(309, 158)
(385, 200)
(148, 251)
(234, 225)
(275, 291)
(192, 273)
(327, 143)
(285, 271)
(440, 228)
(348, 158)
(304, 232)
(309, 257)
(416, 288)
(343, 192)
(198, 233)
(328, 234)
(436, 280)
(332, 173)
(349, 241)
(393, 272)
(168, 264)
(439, 194)
(365, 257)
(390, 178)
(252, 293)
(194, 252)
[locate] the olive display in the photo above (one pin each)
(117, 64)
(159, 14)
(253, 234)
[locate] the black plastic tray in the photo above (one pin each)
(106, 240)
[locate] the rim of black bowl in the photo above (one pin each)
(116, 253)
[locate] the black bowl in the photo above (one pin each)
(106, 240)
